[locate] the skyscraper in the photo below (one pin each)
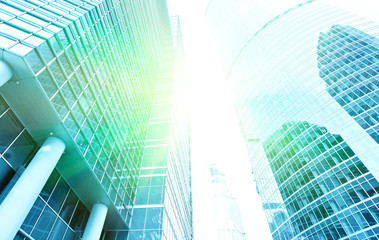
(350, 70)
(83, 87)
(303, 76)
(228, 217)
(163, 207)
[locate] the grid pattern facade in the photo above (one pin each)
(177, 215)
(163, 201)
(314, 162)
(101, 71)
(57, 213)
(349, 64)
(17, 147)
(84, 55)
(327, 190)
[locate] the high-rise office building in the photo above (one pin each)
(91, 108)
(162, 207)
(349, 64)
(316, 194)
(227, 213)
(303, 77)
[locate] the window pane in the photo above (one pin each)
(68, 207)
(70, 235)
(9, 129)
(58, 195)
(33, 215)
(79, 219)
(153, 235)
(138, 219)
(154, 217)
(3, 105)
(142, 194)
(21, 151)
(50, 184)
(58, 230)
(155, 196)
(44, 224)
(135, 235)
(6, 174)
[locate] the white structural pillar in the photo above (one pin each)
(20, 199)
(95, 222)
(5, 73)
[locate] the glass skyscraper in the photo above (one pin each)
(92, 120)
(303, 77)
(348, 61)
(228, 219)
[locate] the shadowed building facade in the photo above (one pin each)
(78, 93)
(303, 79)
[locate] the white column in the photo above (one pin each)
(5, 73)
(95, 222)
(20, 199)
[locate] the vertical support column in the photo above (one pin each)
(95, 222)
(5, 73)
(20, 199)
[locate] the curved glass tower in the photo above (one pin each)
(304, 76)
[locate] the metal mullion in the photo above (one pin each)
(19, 5)
(4, 159)
(72, 215)
(32, 14)
(57, 213)
(5, 111)
(19, 40)
(55, 19)
(43, 18)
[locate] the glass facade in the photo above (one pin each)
(323, 183)
(348, 61)
(303, 77)
(92, 74)
(57, 213)
(17, 147)
(227, 213)
(163, 200)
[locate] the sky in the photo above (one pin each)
(215, 133)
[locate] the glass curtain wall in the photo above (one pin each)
(304, 80)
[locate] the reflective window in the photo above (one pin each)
(58, 195)
(9, 128)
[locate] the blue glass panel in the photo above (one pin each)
(79, 219)
(44, 224)
(68, 206)
(50, 184)
(138, 219)
(154, 216)
(156, 195)
(10, 127)
(59, 193)
(33, 215)
(122, 235)
(135, 235)
(58, 230)
(21, 151)
(142, 195)
(6, 174)
(153, 235)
